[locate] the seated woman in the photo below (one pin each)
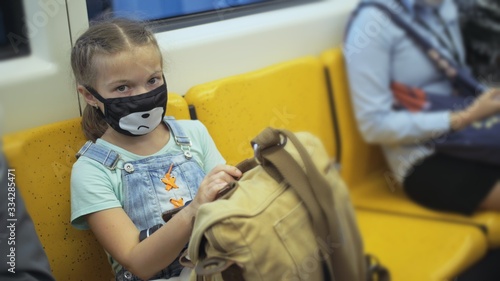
(378, 52)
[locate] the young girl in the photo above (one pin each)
(141, 164)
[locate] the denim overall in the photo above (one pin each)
(145, 195)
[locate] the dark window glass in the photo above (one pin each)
(13, 38)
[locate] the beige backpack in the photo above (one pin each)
(288, 218)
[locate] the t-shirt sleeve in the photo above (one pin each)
(91, 191)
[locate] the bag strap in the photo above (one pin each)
(269, 151)
(458, 76)
(309, 184)
(376, 271)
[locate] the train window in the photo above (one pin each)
(172, 14)
(14, 41)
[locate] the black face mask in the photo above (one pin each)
(135, 115)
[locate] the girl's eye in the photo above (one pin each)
(154, 80)
(121, 88)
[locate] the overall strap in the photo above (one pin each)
(459, 77)
(181, 139)
(106, 156)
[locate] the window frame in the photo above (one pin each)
(184, 21)
(189, 20)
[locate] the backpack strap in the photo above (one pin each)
(375, 270)
(308, 184)
(110, 158)
(458, 76)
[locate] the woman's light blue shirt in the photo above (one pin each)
(377, 52)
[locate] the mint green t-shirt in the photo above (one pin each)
(95, 188)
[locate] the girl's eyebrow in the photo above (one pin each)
(156, 72)
(123, 81)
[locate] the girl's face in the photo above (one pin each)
(128, 73)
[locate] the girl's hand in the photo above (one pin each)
(485, 105)
(214, 181)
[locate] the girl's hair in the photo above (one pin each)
(104, 37)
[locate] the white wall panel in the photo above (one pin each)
(39, 89)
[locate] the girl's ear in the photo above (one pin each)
(89, 98)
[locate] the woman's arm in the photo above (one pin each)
(484, 106)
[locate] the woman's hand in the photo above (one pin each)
(214, 181)
(483, 106)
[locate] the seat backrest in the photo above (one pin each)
(177, 106)
(357, 158)
(42, 158)
(291, 95)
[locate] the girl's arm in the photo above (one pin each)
(120, 238)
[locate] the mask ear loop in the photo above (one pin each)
(96, 95)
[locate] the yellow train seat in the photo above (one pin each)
(415, 249)
(364, 169)
(289, 95)
(42, 158)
